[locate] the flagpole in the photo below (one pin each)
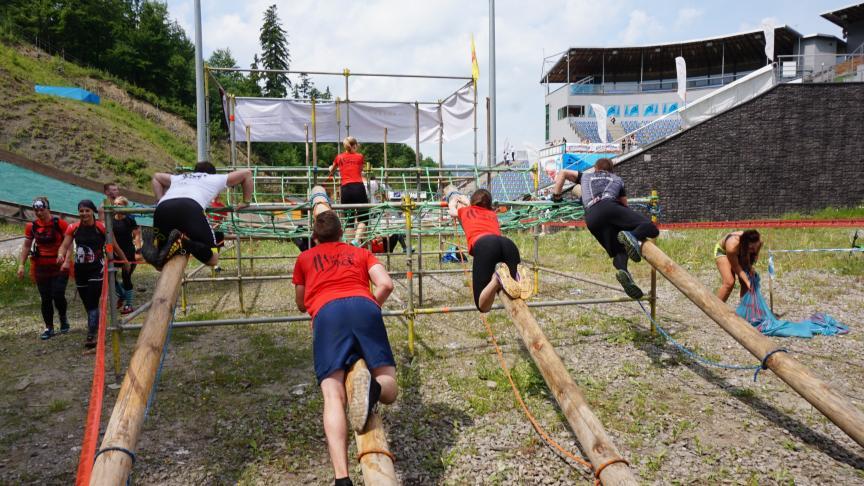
(492, 96)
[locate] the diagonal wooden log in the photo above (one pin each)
(113, 466)
(834, 406)
(588, 429)
(372, 446)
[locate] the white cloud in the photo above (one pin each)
(641, 28)
(686, 16)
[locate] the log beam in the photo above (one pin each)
(113, 466)
(833, 405)
(588, 429)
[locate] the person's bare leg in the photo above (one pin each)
(727, 280)
(487, 295)
(335, 422)
(559, 182)
(386, 377)
(360, 232)
(214, 260)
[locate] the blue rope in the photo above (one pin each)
(161, 362)
(680, 347)
(764, 365)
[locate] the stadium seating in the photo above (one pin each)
(510, 186)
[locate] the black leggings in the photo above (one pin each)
(607, 218)
(391, 241)
(52, 291)
(355, 193)
(489, 251)
(88, 281)
(186, 215)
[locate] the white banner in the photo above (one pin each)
(277, 120)
(768, 30)
(729, 96)
(681, 70)
(600, 116)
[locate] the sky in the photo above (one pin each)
(433, 37)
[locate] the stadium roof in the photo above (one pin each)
(741, 52)
(846, 15)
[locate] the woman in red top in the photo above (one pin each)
(490, 250)
(42, 239)
(350, 164)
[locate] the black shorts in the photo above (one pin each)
(355, 193)
(607, 218)
(489, 251)
(186, 215)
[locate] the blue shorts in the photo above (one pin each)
(345, 330)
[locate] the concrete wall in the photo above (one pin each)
(798, 147)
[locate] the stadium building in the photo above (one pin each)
(755, 138)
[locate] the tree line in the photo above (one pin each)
(137, 41)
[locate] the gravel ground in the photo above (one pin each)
(239, 405)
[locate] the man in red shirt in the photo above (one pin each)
(42, 239)
(332, 284)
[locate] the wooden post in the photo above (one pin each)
(377, 466)
(113, 466)
(834, 406)
(240, 274)
(652, 299)
(588, 429)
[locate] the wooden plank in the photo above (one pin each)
(113, 467)
(377, 466)
(588, 429)
(833, 405)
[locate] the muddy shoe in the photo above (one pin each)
(526, 282)
(630, 288)
(631, 244)
(47, 334)
(90, 343)
(365, 392)
(510, 286)
(172, 246)
(149, 248)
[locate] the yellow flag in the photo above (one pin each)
(475, 68)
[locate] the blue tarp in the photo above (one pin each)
(69, 92)
(754, 309)
(582, 161)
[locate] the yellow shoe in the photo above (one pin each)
(509, 285)
(526, 282)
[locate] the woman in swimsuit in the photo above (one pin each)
(732, 261)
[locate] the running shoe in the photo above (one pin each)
(127, 309)
(526, 282)
(630, 288)
(631, 244)
(90, 343)
(47, 334)
(365, 392)
(149, 250)
(64, 326)
(510, 286)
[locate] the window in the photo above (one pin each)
(570, 111)
(631, 110)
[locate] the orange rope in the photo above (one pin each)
(376, 451)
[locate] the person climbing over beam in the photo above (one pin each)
(496, 258)
(619, 229)
(733, 262)
(565, 175)
(332, 284)
(179, 223)
(350, 164)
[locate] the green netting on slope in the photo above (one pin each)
(20, 186)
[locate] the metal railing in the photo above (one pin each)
(822, 68)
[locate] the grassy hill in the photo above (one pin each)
(123, 139)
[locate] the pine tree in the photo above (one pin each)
(255, 76)
(274, 55)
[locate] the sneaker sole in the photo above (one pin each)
(630, 288)
(631, 247)
(358, 402)
(526, 282)
(508, 285)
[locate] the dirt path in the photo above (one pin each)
(240, 405)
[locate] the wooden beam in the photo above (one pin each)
(588, 429)
(834, 406)
(376, 464)
(113, 466)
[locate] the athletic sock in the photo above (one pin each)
(346, 481)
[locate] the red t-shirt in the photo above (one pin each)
(477, 222)
(48, 239)
(376, 246)
(332, 271)
(219, 216)
(350, 167)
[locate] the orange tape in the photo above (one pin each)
(409, 275)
